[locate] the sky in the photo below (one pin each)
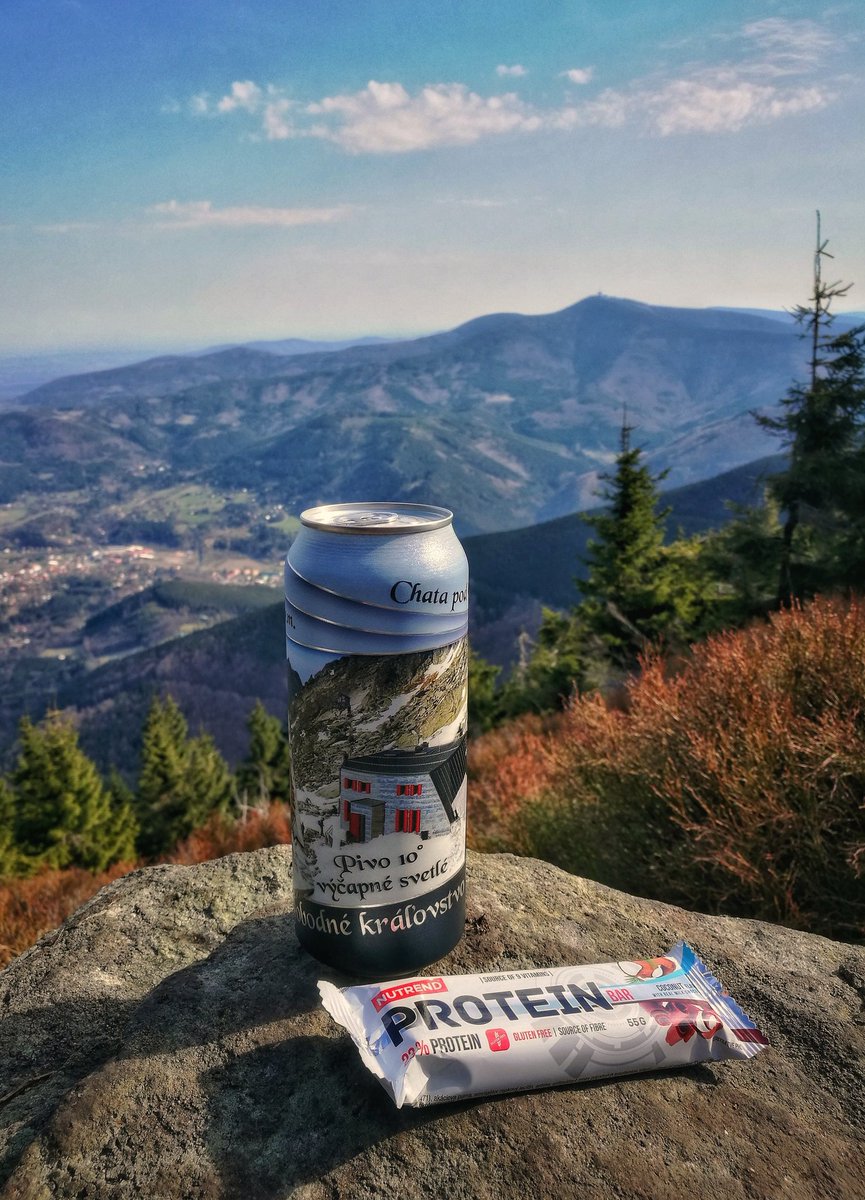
(187, 172)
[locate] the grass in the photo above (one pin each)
(13, 514)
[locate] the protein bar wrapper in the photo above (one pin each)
(449, 1037)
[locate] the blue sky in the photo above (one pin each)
(193, 171)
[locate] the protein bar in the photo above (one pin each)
(448, 1037)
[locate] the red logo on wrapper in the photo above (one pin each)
(404, 991)
(498, 1039)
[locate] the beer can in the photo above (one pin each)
(376, 617)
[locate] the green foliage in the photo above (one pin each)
(484, 700)
(135, 528)
(822, 424)
(556, 667)
(182, 780)
(636, 591)
(745, 558)
(265, 774)
(693, 589)
(65, 814)
(8, 848)
(823, 488)
(121, 793)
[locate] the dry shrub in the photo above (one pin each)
(269, 825)
(507, 767)
(764, 770)
(736, 785)
(31, 907)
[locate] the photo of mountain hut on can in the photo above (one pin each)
(402, 791)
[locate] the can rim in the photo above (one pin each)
(322, 517)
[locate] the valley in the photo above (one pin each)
(187, 473)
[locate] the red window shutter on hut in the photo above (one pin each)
(407, 820)
(355, 825)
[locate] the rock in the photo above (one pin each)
(168, 1042)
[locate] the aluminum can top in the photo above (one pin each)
(371, 517)
(405, 558)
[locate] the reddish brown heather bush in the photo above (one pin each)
(737, 784)
(268, 826)
(507, 768)
(31, 907)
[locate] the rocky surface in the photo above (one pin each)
(167, 1042)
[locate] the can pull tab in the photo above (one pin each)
(365, 520)
(355, 520)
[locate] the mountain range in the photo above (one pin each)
(508, 419)
(22, 373)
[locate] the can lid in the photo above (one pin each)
(375, 517)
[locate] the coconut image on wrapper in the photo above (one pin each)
(376, 624)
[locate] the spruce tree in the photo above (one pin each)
(484, 698)
(208, 785)
(9, 857)
(163, 756)
(553, 671)
(633, 593)
(823, 425)
(743, 557)
(182, 780)
(265, 775)
(66, 815)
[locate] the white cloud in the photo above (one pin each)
(789, 47)
(384, 118)
(725, 106)
(776, 74)
(611, 109)
(199, 105)
(201, 214)
(579, 75)
(275, 122)
(245, 95)
(696, 105)
(758, 88)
